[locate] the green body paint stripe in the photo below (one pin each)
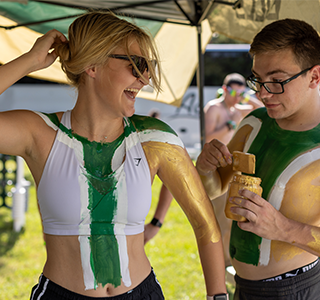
(148, 123)
(102, 203)
(106, 268)
(53, 118)
(274, 149)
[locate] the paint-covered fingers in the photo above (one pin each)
(248, 205)
(42, 53)
(244, 207)
(253, 197)
(262, 218)
(214, 155)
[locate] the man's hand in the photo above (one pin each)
(263, 219)
(214, 155)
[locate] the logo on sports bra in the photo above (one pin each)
(137, 161)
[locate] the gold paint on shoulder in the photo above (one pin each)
(175, 168)
(301, 203)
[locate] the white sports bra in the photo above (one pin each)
(99, 192)
(78, 200)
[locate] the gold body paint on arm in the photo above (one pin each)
(175, 168)
(315, 245)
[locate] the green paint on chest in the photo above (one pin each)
(274, 149)
(105, 260)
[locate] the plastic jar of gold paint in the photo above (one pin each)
(240, 182)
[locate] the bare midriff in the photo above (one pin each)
(63, 265)
(274, 268)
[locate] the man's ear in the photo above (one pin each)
(91, 71)
(315, 77)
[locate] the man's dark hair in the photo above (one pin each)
(297, 35)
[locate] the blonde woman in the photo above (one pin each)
(94, 165)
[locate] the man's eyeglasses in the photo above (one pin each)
(139, 61)
(235, 93)
(271, 87)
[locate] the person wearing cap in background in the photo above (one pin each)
(223, 114)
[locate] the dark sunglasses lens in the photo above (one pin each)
(141, 65)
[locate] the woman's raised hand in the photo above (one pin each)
(42, 52)
(41, 56)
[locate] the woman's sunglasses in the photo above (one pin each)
(139, 61)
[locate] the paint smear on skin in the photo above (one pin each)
(274, 149)
(106, 268)
(300, 200)
(182, 179)
(284, 251)
(102, 205)
(145, 123)
(315, 245)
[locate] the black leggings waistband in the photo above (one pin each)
(287, 286)
(293, 273)
(149, 288)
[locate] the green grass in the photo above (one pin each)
(173, 253)
(22, 255)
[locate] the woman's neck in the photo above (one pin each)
(96, 126)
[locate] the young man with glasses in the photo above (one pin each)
(275, 252)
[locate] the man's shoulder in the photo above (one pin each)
(260, 113)
(214, 104)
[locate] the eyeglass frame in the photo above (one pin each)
(250, 80)
(133, 57)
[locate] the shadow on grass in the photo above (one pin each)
(8, 237)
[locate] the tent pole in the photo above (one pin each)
(200, 84)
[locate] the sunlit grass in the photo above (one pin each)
(22, 255)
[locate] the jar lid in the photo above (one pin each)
(247, 180)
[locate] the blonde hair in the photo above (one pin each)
(94, 36)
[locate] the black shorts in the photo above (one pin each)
(305, 286)
(148, 289)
